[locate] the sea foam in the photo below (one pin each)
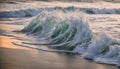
(70, 32)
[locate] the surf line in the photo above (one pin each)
(35, 47)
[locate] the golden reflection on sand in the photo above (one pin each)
(5, 42)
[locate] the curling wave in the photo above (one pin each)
(70, 32)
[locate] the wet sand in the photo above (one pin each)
(17, 57)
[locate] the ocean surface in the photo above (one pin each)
(88, 32)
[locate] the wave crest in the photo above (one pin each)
(71, 32)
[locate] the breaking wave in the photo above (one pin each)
(70, 32)
(34, 11)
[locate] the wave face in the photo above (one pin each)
(69, 31)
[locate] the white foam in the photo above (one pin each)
(77, 38)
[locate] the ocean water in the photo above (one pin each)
(91, 33)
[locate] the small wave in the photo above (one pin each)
(34, 11)
(103, 11)
(20, 13)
